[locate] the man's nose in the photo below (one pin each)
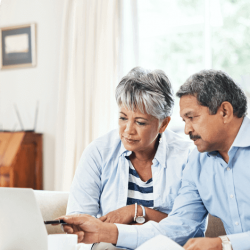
(188, 128)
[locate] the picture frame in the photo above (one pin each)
(18, 46)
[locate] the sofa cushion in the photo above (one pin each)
(215, 227)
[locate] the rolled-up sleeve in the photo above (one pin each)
(240, 241)
(127, 236)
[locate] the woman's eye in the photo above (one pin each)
(122, 118)
(141, 123)
(190, 117)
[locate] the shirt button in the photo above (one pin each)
(236, 223)
(231, 196)
(228, 168)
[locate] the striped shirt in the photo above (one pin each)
(139, 192)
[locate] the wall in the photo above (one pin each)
(26, 86)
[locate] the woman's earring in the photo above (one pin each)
(160, 140)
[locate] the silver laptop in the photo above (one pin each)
(21, 222)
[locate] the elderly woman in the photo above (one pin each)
(133, 174)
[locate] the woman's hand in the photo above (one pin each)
(123, 215)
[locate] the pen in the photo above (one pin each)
(47, 222)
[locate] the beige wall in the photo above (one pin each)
(28, 85)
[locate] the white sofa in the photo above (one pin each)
(53, 204)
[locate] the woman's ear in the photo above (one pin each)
(164, 124)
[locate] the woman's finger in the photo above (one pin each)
(107, 220)
(114, 220)
(103, 218)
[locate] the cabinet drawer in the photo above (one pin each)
(4, 180)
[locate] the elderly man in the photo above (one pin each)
(216, 179)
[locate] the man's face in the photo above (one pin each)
(204, 129)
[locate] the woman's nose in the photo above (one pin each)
(129, 128)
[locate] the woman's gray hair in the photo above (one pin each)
(146, 90)
(212, 88)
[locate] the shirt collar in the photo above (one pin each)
(243, 137)
(124, 151)
(161, 153)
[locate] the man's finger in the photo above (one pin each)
(68, 229)
(80, 235)
(75, 219)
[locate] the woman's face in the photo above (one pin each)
(139, 131)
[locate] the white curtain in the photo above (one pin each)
(129, 42)
(88, 77)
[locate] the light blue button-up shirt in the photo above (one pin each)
(209, 185)
(100, 184)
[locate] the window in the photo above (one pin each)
(182, 37)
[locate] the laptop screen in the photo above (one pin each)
(21, 222)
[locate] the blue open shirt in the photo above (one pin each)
(209, 185)
(100, 184)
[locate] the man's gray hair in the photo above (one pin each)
(212, 88)
(146, 90)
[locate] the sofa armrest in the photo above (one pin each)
(52, 205)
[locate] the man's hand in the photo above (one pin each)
(123, 215)
(89, 229)
(204, 244)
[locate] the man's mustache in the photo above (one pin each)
(194, 137)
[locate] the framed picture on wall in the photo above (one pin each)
(18, 46)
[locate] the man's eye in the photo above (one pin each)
(190, 117)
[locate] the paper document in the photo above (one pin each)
(160, 242)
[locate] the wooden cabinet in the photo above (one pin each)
(21, 160)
